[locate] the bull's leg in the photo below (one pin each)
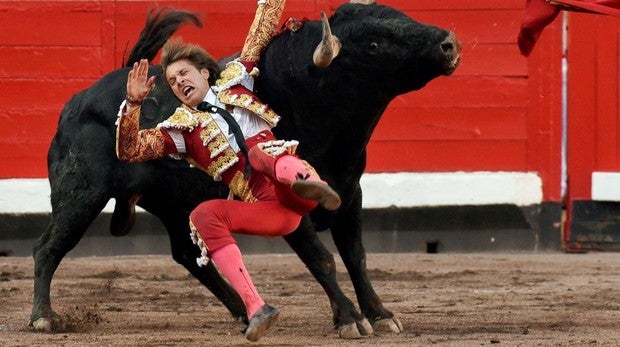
(347, 235)
(347, 320)
(185, 253)
(66, 228)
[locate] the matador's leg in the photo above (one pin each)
(277, 159)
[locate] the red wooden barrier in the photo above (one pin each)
(498, 112)
(67, 45)
(593, 130)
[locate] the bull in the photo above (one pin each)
(330, 80)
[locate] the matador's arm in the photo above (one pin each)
(134, 145)
(262, 30)
(236, 83)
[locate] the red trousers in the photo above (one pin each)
(277, 212)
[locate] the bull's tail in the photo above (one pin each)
(160, 25)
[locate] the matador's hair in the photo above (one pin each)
(175, 50)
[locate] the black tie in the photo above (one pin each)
(232, 127)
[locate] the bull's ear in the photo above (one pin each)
(328, 48)
(365, 2)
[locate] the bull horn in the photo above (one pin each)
(364, 2)
(328, 48)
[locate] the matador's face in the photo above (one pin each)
(189, 84)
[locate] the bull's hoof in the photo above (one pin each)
(48, 322)
(388, 325)
(42, 324)
(355, 330)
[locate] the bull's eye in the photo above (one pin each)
(373, 46)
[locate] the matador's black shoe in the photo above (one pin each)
(260, 322)
(319, 191)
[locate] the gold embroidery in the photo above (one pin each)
(236, 73)
(185, 118)
(250, 103)
(212, 138)
(263, 28)
(217, 145)
(210, 131)
(182, 119)
(211, 135)
(239, 186)
(231, 72)
(134, 145)
(227, 159)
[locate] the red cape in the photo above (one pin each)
(540, 13)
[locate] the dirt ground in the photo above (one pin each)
(441, 299)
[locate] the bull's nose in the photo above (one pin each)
(450, 48)
(450, 45)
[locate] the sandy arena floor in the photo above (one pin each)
(444, 299)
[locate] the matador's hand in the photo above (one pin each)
(138, 83)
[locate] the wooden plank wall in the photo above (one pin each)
(500, 111)
(496, 113)
(52, 49)
(593, 99)
(593, 127)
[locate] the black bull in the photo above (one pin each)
(332, 110)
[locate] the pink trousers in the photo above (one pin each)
(277, 212)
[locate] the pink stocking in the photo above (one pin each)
(290, 168)
(297, 174)
(228, 260)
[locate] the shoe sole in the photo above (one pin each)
(258, 332)
(320, 192)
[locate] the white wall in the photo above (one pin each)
(380, 190)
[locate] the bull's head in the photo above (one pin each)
(413, 48)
